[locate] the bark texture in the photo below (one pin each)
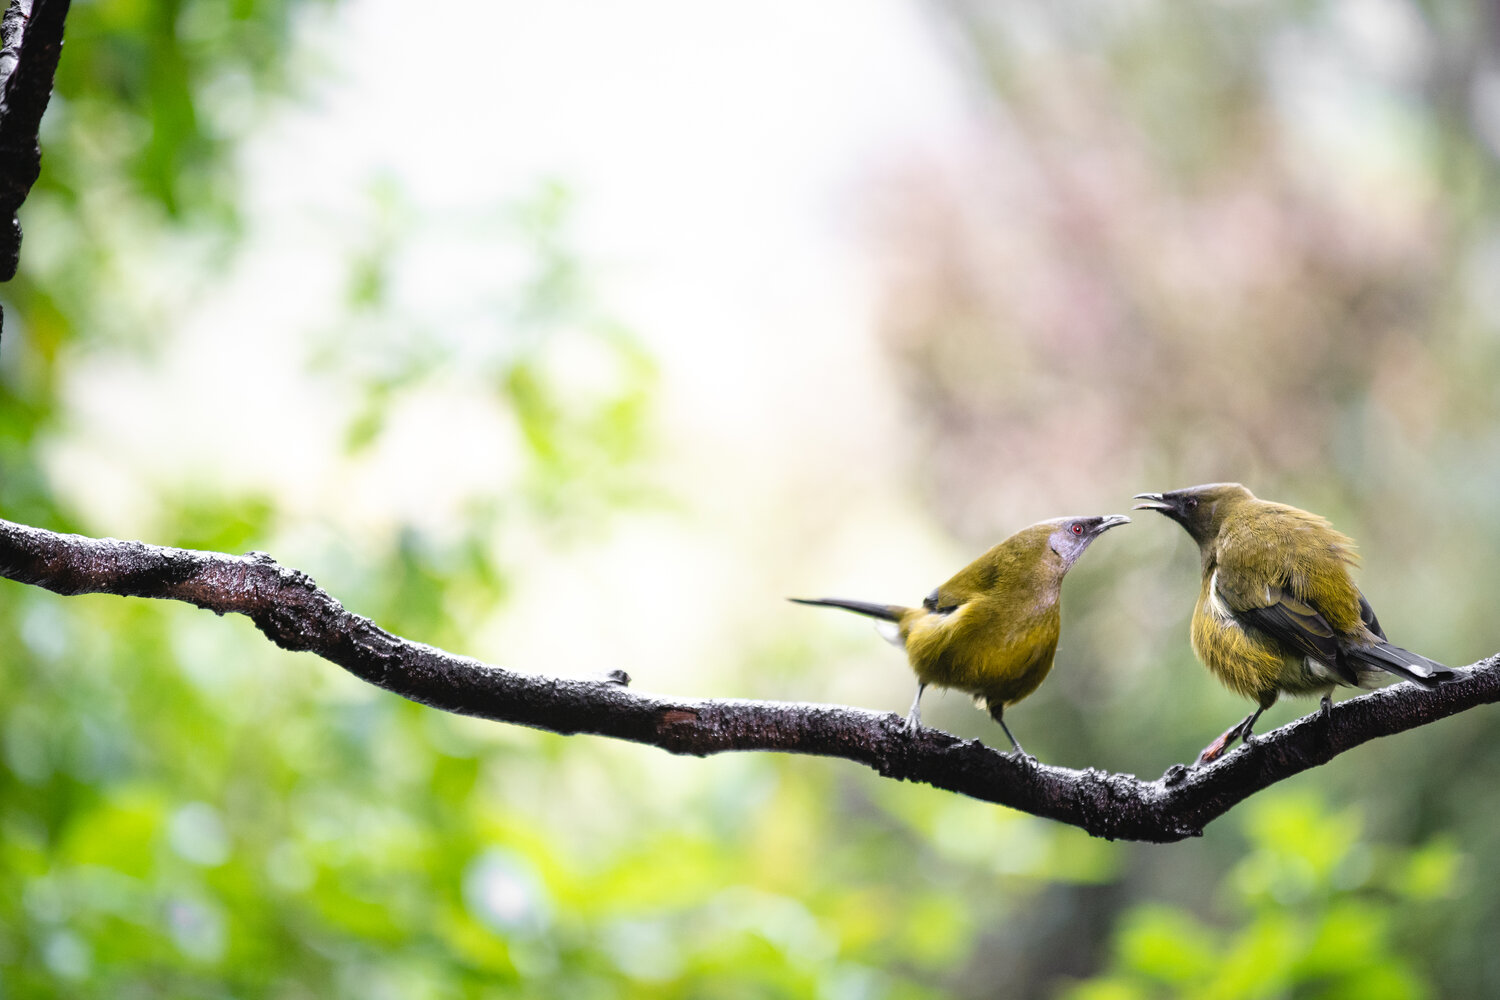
(31, 38)
(296, 614)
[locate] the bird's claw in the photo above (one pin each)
(1215, 750)
(1174, 774)
(1241, 732)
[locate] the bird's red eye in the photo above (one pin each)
(1077, 528)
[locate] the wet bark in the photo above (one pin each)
(296, 614)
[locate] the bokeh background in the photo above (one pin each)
(576, 336)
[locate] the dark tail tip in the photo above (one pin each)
(884, 612)
(1412, 666)
(1445, 675)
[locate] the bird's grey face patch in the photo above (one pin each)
(1073, 534)
(1070, 539)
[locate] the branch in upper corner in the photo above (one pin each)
(295, 614)
(31, 37)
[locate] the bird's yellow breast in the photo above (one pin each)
(992, 653)
(1246, 661)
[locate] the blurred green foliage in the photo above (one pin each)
(188, 812)
(1313, 911)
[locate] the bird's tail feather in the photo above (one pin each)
(885, 612)
(1404, 663)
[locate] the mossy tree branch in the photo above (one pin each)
(296, 614)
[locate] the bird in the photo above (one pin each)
(1278, 612)
(991, 631)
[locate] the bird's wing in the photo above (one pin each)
(943, 600)
(1367, 614)
(1300, 626)
(1276, 611)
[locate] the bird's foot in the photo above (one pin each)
(1175, 774)
(913, 724)
(1216, 749)
(1240, 731)
(1022, 757)
(1326, 708)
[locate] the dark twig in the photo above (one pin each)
(295, 614)
(31, 37)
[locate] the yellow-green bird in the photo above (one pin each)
(992, 630)
(1278, 612)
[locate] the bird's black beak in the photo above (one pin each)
(1154, 501)
(1110, 521)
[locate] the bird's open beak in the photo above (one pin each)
(1113, 520)
(1155, 502)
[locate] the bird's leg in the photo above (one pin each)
(1240, 731)
(1003, 726)
(997, 712)
(914, 717)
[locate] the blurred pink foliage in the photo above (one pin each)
(1151, 265)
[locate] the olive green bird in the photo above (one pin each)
(1277, 611)
(992, 630)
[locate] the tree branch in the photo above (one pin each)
(31, 38)
(295, 614)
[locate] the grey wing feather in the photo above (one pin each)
(1367, 613)
(1299, 625)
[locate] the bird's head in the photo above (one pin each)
(1071, 535)
(1199, 509)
